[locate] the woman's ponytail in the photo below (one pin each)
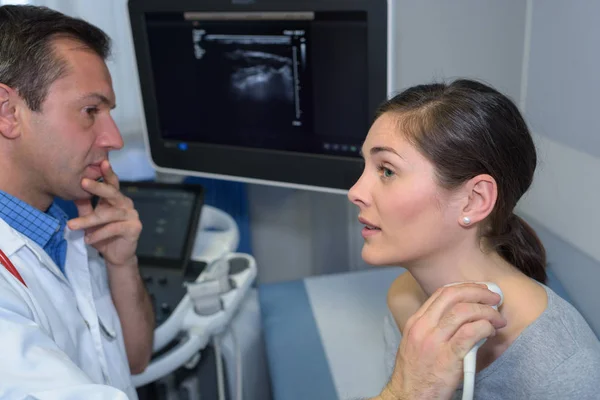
(522, 247)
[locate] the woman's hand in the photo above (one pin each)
(429, 363)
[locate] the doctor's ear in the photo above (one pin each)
(480, 195)
(8, 112)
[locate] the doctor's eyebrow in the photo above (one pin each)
(99, 97)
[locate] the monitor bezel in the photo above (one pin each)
(329, 173)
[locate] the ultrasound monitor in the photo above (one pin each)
(276, 92)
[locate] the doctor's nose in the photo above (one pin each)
(109, 136)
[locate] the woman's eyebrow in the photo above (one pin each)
(380, 149)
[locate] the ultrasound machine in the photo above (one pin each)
(195, 279)
(270, 92)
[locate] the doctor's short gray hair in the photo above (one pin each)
(28, 62)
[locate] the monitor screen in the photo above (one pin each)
(169, 214)
(260, 94)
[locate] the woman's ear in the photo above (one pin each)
(8, 112)
(481, 193)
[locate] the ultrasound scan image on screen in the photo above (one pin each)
(233, 82)
(258, 74)
(294, 82)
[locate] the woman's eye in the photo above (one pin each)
(385, 172)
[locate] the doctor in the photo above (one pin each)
(75, 319)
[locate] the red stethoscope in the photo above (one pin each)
(5, 261)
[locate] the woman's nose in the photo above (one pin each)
(358, 193)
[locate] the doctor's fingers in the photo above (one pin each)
(107, 192)
(447, 293)
(105, 215)
(124, 229)
(450, 296)
(461, 315)
(463, 323)
(468, 335)
(109, 175)
(84, 207)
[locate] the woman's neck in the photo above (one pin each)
(460, 264)
(524, 299)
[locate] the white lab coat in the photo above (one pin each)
(59, 338)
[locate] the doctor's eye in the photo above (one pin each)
(91, 111)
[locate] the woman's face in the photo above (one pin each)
(408, 217)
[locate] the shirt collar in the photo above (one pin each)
(31, 222)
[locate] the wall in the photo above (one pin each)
(466, 38)
(297, 233)
(560, 89)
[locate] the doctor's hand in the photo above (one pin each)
(113, 227)
(436, 339)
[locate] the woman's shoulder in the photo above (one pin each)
(404, 298)
(565, 349)
(562, 316)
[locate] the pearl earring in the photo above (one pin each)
(466, 220)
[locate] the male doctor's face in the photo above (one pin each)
(73, 132)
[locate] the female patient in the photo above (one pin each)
(444, 167)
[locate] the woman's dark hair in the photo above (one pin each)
(466, 128)
(28, 62)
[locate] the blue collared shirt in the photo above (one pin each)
(46, 229)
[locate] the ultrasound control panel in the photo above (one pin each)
(170, 214)
(166, 287)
